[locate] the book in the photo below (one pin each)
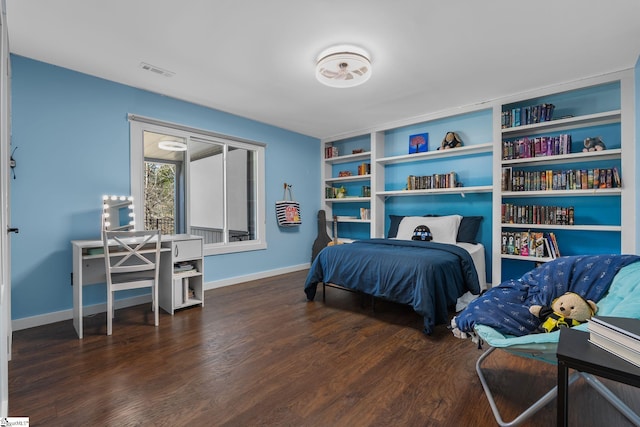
(511, 242)
(616, 177)
(548, 248)
(615, 347)
(620, 329)
(524, 243)
(538, 244)
(554, 242)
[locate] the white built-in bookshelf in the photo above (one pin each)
(377, 164)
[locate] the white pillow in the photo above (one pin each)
(444, 229)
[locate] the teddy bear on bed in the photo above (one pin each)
(569, 309)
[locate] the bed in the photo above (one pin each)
(430, 276)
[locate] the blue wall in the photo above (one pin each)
(71, 136)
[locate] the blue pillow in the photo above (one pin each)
(468, 230)
(393, 228)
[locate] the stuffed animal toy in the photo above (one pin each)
(593, 144)
(568, 310)
(422, 232)
(451, 140)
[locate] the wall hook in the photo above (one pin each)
(12, 163)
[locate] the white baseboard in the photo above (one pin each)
(59, 316)
(255, 276)
(88, 310)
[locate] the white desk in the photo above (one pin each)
(89, 268)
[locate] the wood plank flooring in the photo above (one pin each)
(259, 354)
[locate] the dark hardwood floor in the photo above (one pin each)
(259, 354)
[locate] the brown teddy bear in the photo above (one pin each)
(450, 140)
(568, 310)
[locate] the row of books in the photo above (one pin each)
(330, 152)
(428, 182)
(571, 179)
(617, 335)
(537, 214)
(364, 169)
(520, 116)
(541, 146)
(530, 244)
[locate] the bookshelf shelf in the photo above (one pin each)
(348, 200)
(431, 155)
(457, 190)
(348, 158)
(569, 123)
(564, 193)
(591, 156)
(583, 227)
(526, 258)
(355, 220)
(593, 107)
(352, 178)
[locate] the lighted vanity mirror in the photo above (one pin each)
(117, 213)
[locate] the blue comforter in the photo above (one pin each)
(426, 275)
(505, 308)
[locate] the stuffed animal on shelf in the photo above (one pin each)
(568, 310)
(593, 144)
(451, 140)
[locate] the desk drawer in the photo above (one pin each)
(187, 249)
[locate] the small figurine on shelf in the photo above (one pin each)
(342, 192)
(593, 144)
(451, 140)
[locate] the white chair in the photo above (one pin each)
(132, 260)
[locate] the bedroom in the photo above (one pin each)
(71, 128)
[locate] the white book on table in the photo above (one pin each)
(615, 347)
(624, 330)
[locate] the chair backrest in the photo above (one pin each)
(131, 251)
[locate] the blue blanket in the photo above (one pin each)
(505, 308)
(426, 275)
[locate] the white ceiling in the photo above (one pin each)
(255, 58)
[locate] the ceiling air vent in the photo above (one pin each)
(156, 70)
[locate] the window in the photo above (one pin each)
(214, 188)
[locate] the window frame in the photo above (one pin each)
(139, 124)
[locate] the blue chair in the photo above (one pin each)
(621, 299)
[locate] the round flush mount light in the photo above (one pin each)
(343, 66)
(172, 145)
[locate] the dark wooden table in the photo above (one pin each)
(576, 352)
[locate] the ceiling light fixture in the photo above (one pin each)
(172, 145)
(343, 66)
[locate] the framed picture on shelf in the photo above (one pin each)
(418, 143)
